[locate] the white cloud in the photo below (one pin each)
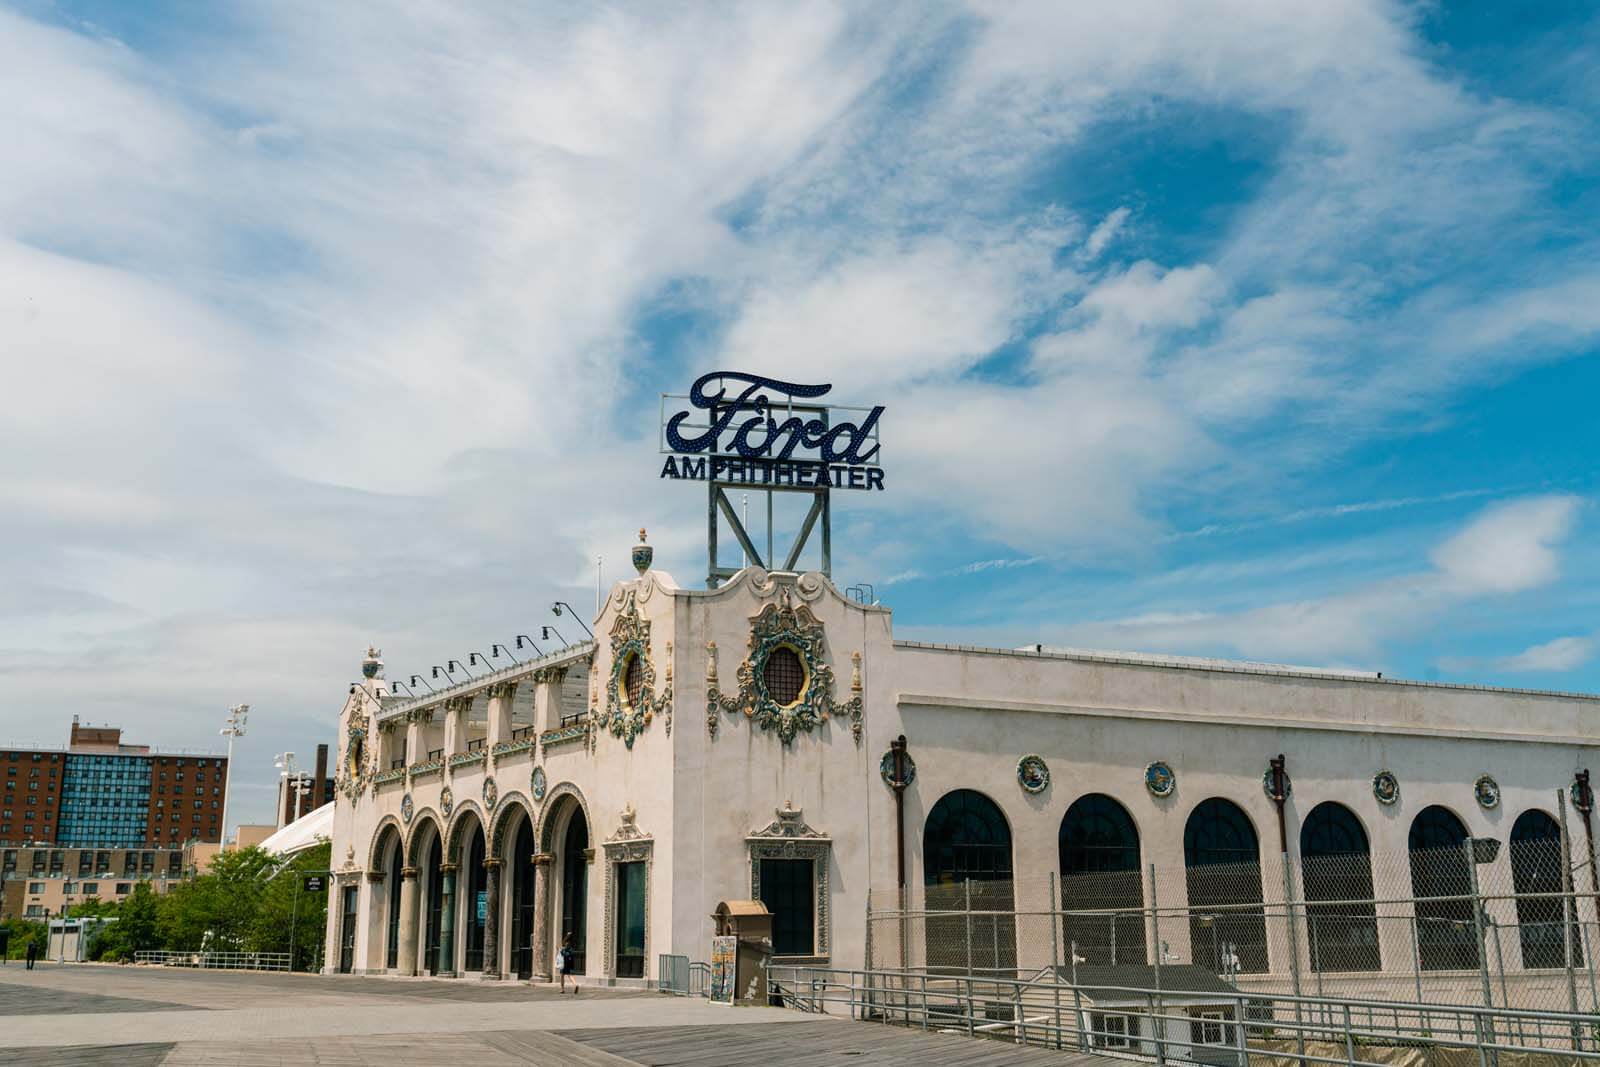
(1561, 654)
(1507, 549)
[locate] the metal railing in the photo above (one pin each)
(477, 744)
(523, 733)
(222, 961)
(683, 977)
(1205, 1026)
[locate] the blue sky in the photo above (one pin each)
(1220, 328)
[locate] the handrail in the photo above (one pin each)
(1060, 1014)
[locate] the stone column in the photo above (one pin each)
(491, 921)
(501, 697)
(543, 953)
(408, 921)
(547, 697)
(445, 967)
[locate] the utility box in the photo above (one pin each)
(749, 923)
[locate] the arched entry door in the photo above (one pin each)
(564, 834)
(1336, 867)
(474, 883)
(1536, 868)
(1447, 936)
(520, 868)
(1101, 888)
(966, 866)
(391, 856)
(432, 877)
(1222, 869)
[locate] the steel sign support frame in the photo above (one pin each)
(717, 503)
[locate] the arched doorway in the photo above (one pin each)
(1101, 887)
(564, 834)
(1336, 868)
(1222, 870)
(520, 867)
(428, 854)
(966, 867)
(1536, 868)
(391, 858)
(1447, 937)
(473, 892)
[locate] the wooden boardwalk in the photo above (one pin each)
(814, 1044)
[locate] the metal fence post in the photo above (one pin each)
(1349, 1040)
(1294, 954)
(1484, 1022)
(1240, 1038)
(1569, 911)
(1055, 953)
(967, 885)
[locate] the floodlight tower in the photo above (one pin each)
(238, 716)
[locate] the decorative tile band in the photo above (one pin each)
(395, 775)
(432, 766)
(461, 759)
(506, 748)
(564, 735)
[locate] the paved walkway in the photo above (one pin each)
(92, 1015)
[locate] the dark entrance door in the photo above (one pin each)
(966, 864)
(435, 885)
(347, 931)
(391, 948)
(575, 888)
(522, 870)
(476, 885)
(630, 920)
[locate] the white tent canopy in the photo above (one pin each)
(305, 832)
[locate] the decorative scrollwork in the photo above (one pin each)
(630, 641)
(783, 625)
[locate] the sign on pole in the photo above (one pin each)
(315, 883)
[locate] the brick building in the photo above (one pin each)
(100, 793)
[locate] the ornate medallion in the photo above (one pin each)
(491, 794)
(1266, 785)
(447, 801)
(1487, 791)
(630, 651)
(407, 808)
(1033, 773)
(1159, 779)
(538, 784)
(1386, 787)
(886, 768)
(794, 635)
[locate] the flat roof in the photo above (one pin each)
(1197, 663)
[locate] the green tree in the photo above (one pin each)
(288, 915)
(217, 910)
(22, 932)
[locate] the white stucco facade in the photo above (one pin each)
(700, 773)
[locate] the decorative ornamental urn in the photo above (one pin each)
(372, 666)
(643, 554)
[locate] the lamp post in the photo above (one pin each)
(294, 779)
(238, 715)
(555, 609)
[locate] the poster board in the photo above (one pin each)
(724, 957)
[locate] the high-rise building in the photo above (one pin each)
(101, 793)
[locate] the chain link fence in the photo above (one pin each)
(1483, 925)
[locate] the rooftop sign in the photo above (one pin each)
(735, 428)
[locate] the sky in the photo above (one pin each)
(1231, 328)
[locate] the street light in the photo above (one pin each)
(238, 716)
(546, 631)
(473, 658)
(501, 650)
(524, 641)
(415, 678)
(556, 610)
(296, 779)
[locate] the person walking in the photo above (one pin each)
(564, 964)
(33, 951)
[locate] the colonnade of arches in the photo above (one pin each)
(469, 894)
(968, 865)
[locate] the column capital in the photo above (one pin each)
(543, 859)
(408, 873)
(447, 868)
(375, 876)
(491, 863)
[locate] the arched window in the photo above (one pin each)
(1222, 868)
(1336, 866)
(966, 866)
(471, 879)
(1447, 938)
(1101, 887)
(1536, 868)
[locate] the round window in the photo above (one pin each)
(633, 680)
(784, 675)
